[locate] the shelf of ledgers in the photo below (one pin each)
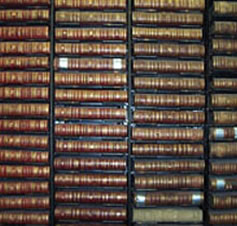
(223, 130)
(91, 101)
(24, 112)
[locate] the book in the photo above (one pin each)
(223, 149)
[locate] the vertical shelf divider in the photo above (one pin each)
(51, 123)
(129, 74)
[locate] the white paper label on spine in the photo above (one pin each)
(196, 199)
(219, 133)
(117, 64)
(220, 184)
(63, 62)
(141, 198)
(235, 129)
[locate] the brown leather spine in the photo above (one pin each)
(224, 201)
(24, 156)
(24, 203)
(222, 133)
(220, 83)
(24, 93)
(225, 7)
(24, 62)
(22, 33)
(168, 149)
(24, 15)
(223, 218)
(172, 117)
(89, 214)
(169, 100)
(32, 110)
(90, 130)
(20, 218)
(91, 197)
(91, 146)
(23, 141)
(169, 83)
(172, 50)
(7, 188)
(89, 164)
(24, 2)
(223, 167)
(24, 125)
(172, 165)
(224, 117)
(91, 34)
(167, 18)
(225, 28)
(221, 150)
(24, 48)
(225, 63)
(162, 66)
(97, 180)
(90, 17)
(230, 184)
(167, 33)
(95, 4)
(171, 5)
(224, 100)
(11, 77)
(224, 45)
(90, 95)
(101, 79)
(169, 182)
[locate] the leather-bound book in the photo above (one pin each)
(224, 83)
(224, 63)
(225, 8)
(223, 167)
(225, 117)
(226, 133)
(224, 45)
(223, 184)
(226, 201)
(220, 150)
(225, 28)
(224, 100)
(223, 218)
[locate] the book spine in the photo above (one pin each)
(223, 133)
(169, 182)
(90, 17)
(24, 15)
(225, 63)
(162, 66)
(225, 28)
(168, 149)
(224, 100)
(89, 113)
(22, 33)
(24, 2)
(20, 218)
(91, 146)
(223, 45)
(24, 141)
(168, 198)
(7, 188)
(24, 125)
(24, 171)
(224, 117)
(24, 203)
(90, 95)
(167, 134)
(224, 202)
(11, 77)
(95, 214)
(95, 4)
(90, 64)
(169, 117)
(91, 49)
(24, 156)
(32, 110)
(221, 150)
(24, 62)
(223, 8)
(170, 50)
(167, 33)
(167, 18)
(169, 83)
(25, 48)
(219, 83)
(170, 100)
(91, 197)
(24, 93)
(177, 166)
(172, 5)
(91, 79)
(223, 184)
(223, 218)
(223, 168)
(91, 34)
(94, 180)
(89, 164)
(90, 130)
